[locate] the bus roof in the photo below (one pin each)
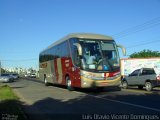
(80, 35)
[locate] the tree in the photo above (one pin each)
(145, 54)
(3, 70)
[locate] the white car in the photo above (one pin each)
(6, 78)
(26, 75)
(33, 75)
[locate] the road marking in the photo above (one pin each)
(138, 91)
(126, 103)
(121, 102)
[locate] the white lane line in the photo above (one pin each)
(122, 102)
(126, 103)
(137, 91)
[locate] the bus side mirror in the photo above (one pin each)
(123, 49)
(79, 48)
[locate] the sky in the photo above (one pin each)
(29, 26)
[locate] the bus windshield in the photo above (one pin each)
(99, 55)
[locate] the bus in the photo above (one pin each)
(82, 60)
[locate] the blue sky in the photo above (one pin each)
(29, 26)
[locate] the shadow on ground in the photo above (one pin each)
(12, 110)
(92, 106)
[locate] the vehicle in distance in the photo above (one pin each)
(32, 75)
(14, 75)
(144, 77)
(6, 78)
(26, 75)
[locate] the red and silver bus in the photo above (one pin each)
(81, 60)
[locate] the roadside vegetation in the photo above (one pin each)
(145, 54)
(10, 106)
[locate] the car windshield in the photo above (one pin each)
(99, 55)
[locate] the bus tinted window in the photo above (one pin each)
(54, 52)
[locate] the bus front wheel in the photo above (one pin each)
(69, 84)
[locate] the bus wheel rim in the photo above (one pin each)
(45, 81)
(68, 83)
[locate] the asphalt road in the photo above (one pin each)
(56, 102)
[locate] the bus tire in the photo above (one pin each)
(68, 84)
(45, 81)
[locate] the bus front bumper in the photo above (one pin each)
(88, 83)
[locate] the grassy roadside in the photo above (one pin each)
(10, 106)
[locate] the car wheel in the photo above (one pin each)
(140, 87)
(125, 84)
(148, 86)
(69, 84)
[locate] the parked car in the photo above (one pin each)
(6, 78)
(145, 77)
(14, 75)
(33, 75)
(26, 75)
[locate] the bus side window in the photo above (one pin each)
(74, 52)
(64, 49)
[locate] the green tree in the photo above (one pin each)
(145, 54)
(3, 70)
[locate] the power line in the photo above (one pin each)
(150, 42)
(20, 60)
(138, 28)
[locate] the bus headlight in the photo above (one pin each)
(93, 76)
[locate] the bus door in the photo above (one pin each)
(54, 78)
(58, 70)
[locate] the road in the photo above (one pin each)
(56, 102)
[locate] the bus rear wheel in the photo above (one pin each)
(69, 84)
(45, 81)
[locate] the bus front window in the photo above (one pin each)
(99, 55)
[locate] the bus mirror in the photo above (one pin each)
(79, 48)
(83, 64)
(123, 49)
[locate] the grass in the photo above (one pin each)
(10, 106)
(6, 93)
